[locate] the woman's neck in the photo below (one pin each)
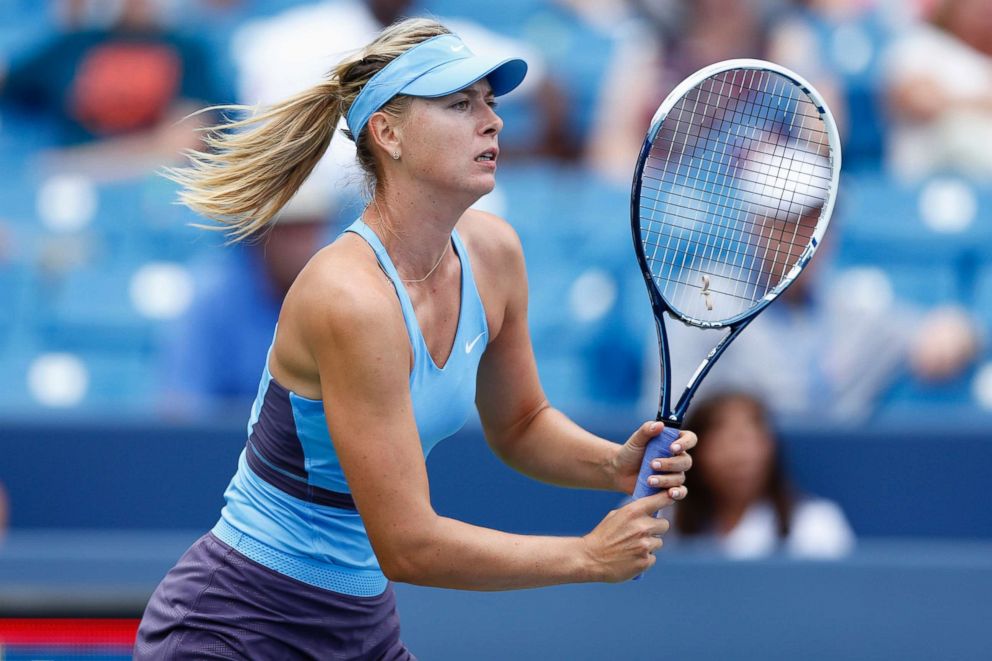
(415, 229)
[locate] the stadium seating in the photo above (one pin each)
(73, 248)
(72, 288)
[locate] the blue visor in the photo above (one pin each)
(436, 67)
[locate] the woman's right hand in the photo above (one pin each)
(623, 545)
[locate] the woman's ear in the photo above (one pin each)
(385, 135)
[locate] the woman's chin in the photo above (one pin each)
(480, 186)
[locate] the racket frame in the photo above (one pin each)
(673, 417)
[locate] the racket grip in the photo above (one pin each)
(658, 447)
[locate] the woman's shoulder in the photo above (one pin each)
(343, 284)
(341, 310)
(489, 237)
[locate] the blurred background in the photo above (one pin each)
(131, 342)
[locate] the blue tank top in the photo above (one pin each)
(288, 506)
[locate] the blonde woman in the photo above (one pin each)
(385, 341)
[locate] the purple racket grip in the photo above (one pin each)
(658, 447)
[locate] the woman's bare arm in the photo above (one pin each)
(523, 429)
(362, 352)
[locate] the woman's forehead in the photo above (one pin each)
(481, 87)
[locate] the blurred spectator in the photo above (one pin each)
(837, 46)
(739, 495)
(286, 53)
(666, 43)
(604, 15)
(213, 358)
(118, 94)
(939, 88)
(829, 347)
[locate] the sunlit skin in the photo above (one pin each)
(442, 137)
(435, 178)
(735, 460)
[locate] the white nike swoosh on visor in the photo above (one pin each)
(471, 345)
(457, 47)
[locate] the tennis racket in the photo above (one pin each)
(732, 193)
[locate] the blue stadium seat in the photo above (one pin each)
(576, 236)
(90, 309)
(21, 139)
(118, 381)
(920, 284)
(876, 213)
(23, 23)
(14, 361)
(15, 283)
(896, 227)
(983, 297)
(909, 397)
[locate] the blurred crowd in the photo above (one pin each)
(96, 96)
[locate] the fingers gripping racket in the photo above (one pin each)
(732, 193)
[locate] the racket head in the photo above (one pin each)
(733, 191)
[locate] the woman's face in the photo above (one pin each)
(450, 142)
(735, 456)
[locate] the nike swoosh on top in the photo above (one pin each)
(471, 345)
(456, 48)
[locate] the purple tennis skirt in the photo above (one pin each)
(217, 604)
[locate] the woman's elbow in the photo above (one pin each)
(398, 568)
(409, 558)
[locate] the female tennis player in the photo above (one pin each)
(384, 342)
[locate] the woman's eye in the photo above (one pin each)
(493, 103)
(460, 105)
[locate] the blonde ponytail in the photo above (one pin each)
(251, 167)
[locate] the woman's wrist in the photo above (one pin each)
(588, 568)
(614, 480)
(611, 474)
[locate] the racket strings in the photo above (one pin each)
(744, 234)
(702, 129)
(748, 273)
(731, 191)
(749, 235)
(738, 172)
(714, 135)
(705, 205)
(724, 204)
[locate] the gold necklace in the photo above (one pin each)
(434, 268)
(429, 273)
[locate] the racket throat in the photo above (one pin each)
(665, 398)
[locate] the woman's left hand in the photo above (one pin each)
(670, 473)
